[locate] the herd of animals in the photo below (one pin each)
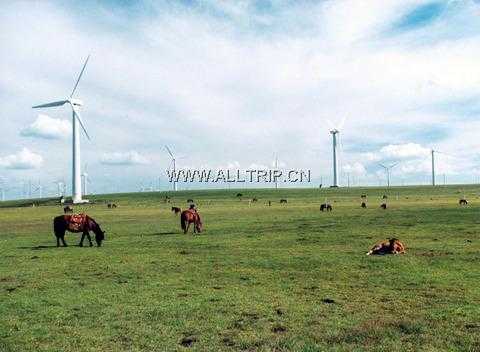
(82, 223)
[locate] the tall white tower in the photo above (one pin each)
(335, 161)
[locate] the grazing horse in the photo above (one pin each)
(392, 246)
(67, 209)
(77, 223)
(176, 210)
(188, 217)
(326, 206)
(463, 202)
(283, 201)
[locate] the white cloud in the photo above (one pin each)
(356, 169)
(24, 159)
(47, 127)
(404, 151)
(127, 158)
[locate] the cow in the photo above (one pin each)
(67, 209)
(384, 196)
(176, 210)
(363, 196)
(254, 200)
(326, 206)
(391, 246)
(383, 206)
(363, 205)
(111, 205)
(283, 201)
(463, 202)
(189, 200)
(269, 203)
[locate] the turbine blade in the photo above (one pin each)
(342, 123)
(48, 105)
(77, 115)
(330, 124)
(169, 151)
(80, 76)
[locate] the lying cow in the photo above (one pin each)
(391, 246)
(326, 207)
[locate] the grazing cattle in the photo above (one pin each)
(383, 206)
(254, 200)
(239, 195)
(189, 200)
(391, 246)
(384, 196)
(67, 209)
(363, 196)
(463, 202)
(326, 206)
(283, 201)
(176, 210)
(364, 205)
(77, 223)
(111, 205)
(188, 217)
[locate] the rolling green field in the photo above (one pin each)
(280, 278)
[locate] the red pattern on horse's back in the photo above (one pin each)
(76, 222)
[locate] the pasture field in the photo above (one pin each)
(280, 278)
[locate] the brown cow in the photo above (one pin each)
(391, 246)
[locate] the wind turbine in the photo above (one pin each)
(75, 104)
(334, 131)
(387, 170)
(85, 180)
(174, 168)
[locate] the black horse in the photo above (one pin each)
(77, 223)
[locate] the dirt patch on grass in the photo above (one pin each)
(433, 253)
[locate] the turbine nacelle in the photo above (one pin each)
(75, 102)
(335, 131)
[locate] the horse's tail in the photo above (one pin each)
(198, 218)
(183, 221)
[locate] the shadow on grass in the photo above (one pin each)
(36, 248)
(162, 233)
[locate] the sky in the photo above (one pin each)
(230, 84)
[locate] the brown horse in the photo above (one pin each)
(391, 246)
(176, 210)
(77, 223)
(190, 216)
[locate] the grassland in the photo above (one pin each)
(260, 278)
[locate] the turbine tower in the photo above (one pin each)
(433, 167)
(75, 104)
(387, 171)
(174, 168)
(334, 133)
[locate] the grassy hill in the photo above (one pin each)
(285, 277)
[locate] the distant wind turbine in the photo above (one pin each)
(334, 132)
(388, 171)
(75, 104)
(174, 167)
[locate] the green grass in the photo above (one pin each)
(258, 278)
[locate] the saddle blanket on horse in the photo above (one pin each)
(76, 222)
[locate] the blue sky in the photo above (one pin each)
(232, 83)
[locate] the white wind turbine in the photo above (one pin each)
(334, 131)
(174, 167)
(85, 180)
(388, 170)
(75, 104)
